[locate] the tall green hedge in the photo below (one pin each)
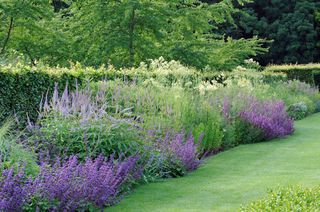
(309, 73)
(22, 87)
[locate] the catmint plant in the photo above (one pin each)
(269, 116)
(69, 185)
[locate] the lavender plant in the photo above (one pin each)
(186, 150)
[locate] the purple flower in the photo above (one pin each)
(98, 181)
(70, 185)
(15, 190)
(269, 116)
(184, 150)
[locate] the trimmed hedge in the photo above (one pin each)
(309, 73)
(264, 76)
(23, 87)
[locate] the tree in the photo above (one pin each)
(126, 32)
(290, 24)
(29, 27)
(122, 32)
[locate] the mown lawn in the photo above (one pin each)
(237, 176)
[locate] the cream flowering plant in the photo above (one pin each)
(205, 87)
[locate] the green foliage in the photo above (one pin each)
(298, 111)
(39, 203)
(166, 108)
(13, 154)
(65, 136)
(203, 118)
(162, 165)
(230, 137)
(30, 28)
(245, 133)
(238, 176)
(291, 92)
(240, 73)
(22, 86)
(161, 96)
(293, 198)
(123, 33)
(291, 25)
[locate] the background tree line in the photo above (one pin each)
(216, 34)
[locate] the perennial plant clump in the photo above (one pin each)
(298, 110)
(81, 118)
(269, 116)
(15, 190)
(93, 144)
(69, 185)
(172, 156)
(185, 149)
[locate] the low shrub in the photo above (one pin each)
(69, 185)
(294, 198)
(298, 111)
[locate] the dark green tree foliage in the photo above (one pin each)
(59, 5)
(291, 24)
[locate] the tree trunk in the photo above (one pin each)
(30, 56)
(8, 36)
(131, 37)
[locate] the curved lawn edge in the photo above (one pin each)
(237, 176)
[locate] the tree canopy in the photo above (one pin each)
(208, 33)
(293, 26)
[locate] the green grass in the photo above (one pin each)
(237, 176)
